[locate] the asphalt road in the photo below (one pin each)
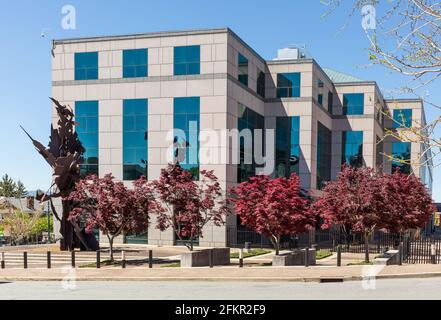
(427, 288)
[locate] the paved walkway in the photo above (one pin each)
(224, 273)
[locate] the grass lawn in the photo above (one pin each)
(321, 254)
(103, 263)
(173, 265)
(360, 263)
(252, 253)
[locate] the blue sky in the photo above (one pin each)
(25, 58)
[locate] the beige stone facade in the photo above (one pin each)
(220, 94)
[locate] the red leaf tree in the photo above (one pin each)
(111, 207)
(406, 202)
(353, 200)
(272, 207)
(186, 205)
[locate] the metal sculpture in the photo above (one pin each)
(64, 154)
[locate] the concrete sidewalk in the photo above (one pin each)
(228, 273)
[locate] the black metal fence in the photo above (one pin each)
(354, 242)
(422, 250)
(324, 239)
(237, 237)
(416, 248)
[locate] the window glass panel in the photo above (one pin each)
(379, 152)
(243, 69)
(402, 118)
(248, 119)
(353, 103)
(135, 128)
(288, 85)
(330, 102)
(135, 63)
(261, 84)
(352, 142)
(186, 118)
(287, 146)
(187, 60)
(401, 152)
(86, 65)
(86, 116)
(324, 155)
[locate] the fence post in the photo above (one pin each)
(98, 259)
(3, 261)
(433, 253)
(49, 260)
(378, 246)
(72, 258)
(240, 258)
(25, 260)
(339, 256)
(123, 259)
(306, 257)
(400, 254)
(150, 259)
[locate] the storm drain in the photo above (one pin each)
(330, 280)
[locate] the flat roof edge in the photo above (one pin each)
(142, 35)
(356, 83)
(404, 100)
(290, 61)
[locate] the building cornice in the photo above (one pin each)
(142, 35)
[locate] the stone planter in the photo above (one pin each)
(200, 258)
(391, 257)
(295, 258)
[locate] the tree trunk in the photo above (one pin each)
(276, 243)
(110, 247)
(366, 246)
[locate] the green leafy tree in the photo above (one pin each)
(7, 187)
(20, 225)
(40, 227)
(20, 190)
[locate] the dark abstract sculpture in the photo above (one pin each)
(64, 155)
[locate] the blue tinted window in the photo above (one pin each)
(135, 129)
(86, 65)
(402, 118)
(353, 103)
(135, 63)
(261, 84)
(288, 85)
(186, 119)
(86, 116)
(401, 157)
(287, 146)
(248, 119)
(352, 144)
(187, 60)
(379, 152)
(243, 69)
(320, 100)
(324, 155)
(330, 102)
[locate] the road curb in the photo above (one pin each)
(235, 279)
